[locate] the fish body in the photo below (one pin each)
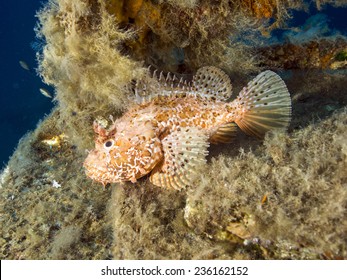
(168, 130)
(24, 65)
(45, 92)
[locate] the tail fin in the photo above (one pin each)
(264, 105)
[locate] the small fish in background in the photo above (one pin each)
(46, 93)
(24, 65)
(167, 131)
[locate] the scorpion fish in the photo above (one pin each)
(167, 130)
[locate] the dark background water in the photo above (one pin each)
(22, 104)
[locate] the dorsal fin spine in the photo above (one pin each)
(161, 76)
(181, 81)
(155, 73)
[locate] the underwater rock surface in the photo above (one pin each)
(281, 198)
(285, 199)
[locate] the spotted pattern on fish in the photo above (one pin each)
(167, 131)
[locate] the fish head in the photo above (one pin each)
(123, 155)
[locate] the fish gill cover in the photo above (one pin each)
(283, 197)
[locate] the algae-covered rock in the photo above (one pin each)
(49, 210)
(318, 54)
(285, 199)
(279, 198)
(287, 196)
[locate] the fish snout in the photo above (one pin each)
(95, 166)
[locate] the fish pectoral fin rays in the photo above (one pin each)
(212, 83)
(185, 150)
(224, 134)
(264, 105)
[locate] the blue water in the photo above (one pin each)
(22, 104)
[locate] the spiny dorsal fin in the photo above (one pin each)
(263, 105)
(209, 82)
(185, 150)
(160, 85)
(212, 83)
(224, 134)
(145, 89)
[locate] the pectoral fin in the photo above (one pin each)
(185, 151)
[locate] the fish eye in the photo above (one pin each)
(108, 144)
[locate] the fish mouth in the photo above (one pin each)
(93, 171)
(95, 168)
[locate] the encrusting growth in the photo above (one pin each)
(168, 129)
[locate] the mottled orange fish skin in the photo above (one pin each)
(136, 136)
(191, 112)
